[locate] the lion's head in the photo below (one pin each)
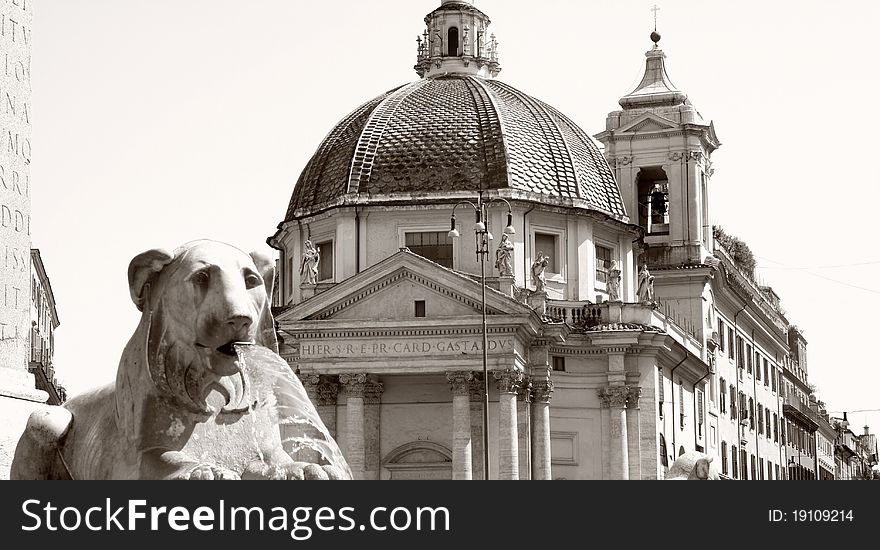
(197, 302)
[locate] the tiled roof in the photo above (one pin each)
(460, 133)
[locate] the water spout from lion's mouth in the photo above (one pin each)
(229, 348)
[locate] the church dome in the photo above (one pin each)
(455, 132)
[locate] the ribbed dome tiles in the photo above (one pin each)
(455, 133)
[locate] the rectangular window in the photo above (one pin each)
(325, 262)
(740, 362)
(734, 461)
(721, 335)
(433, 245)
(701, 412)
(767, 416)
(603, 265)
(681, 404)
(749, 358)
(420, 308)
(766, 373)
(546, 244)
(754, 468)
(773, 376)
(761, 469)
(724, 457)
(722, 396)
(730, 343)
(558, 363)
(760, 419)
(757, 367)
(776, 467)
(661, 389)
(733, 405)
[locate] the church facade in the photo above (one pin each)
(612, 323)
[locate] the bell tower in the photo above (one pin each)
(456, 40)
(659, 147)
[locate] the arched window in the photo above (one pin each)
(653, 190)
(453, 42)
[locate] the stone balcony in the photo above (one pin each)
(588, 316)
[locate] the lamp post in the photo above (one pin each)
(482, 236)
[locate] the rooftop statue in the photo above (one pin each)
(200, 392)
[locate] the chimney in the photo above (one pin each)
(867, 430)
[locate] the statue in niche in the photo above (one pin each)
(504, 257)
(646, 286)
(614, 282)
(466, 41)
(538, 267)
(200, 392)
(308, 270)
(481, 43)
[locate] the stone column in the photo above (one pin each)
(462, 462)
(614, 398)
(372, 422)
(310, 382)
(354, 386)
(328, 392)
(541, 394)
(634, 455)
(524, 428)
(542, 390)
(475, 388)
(508, 449)
(18, 394)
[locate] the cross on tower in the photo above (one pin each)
(655, 9)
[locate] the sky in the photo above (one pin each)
(156, 123)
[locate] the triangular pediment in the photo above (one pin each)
(648, 123)
(389, 289)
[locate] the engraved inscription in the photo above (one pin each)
(15, 159)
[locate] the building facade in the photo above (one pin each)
(622, 329)
(44, 322)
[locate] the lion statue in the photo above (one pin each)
(692, 465)
(200, 392)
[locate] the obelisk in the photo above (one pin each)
(18, 397)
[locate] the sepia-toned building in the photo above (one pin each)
(644, 336)
(44, 322)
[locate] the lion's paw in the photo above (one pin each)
(209, 472)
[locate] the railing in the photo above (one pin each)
(791, 404)
(677, 319)
(587, 314)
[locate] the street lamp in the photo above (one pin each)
(482, 236)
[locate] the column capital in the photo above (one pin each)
(542, 390)
(310, 382)
(509, 380)
(460, 382)
(354, 384)
(475, 387)
(524, 393)
(633, 395)
(328, 391)
(373, 392)
(614, 397)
